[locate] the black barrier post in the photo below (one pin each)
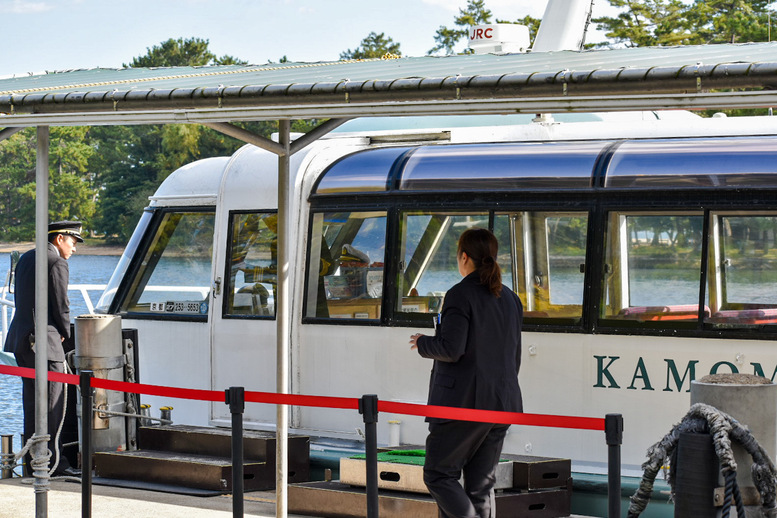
(85, 384)
(613, 432)
(236, 399)
(368, 408)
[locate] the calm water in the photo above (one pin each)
(84, 269)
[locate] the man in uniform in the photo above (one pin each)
(63, 236)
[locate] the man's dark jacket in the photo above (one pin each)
(476, 350)
(23, 325)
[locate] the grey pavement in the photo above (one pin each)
(17, 500)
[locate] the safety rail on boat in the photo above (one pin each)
(7, 304)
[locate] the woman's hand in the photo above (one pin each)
(414, 341)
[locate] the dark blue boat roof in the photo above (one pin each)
(671, 163)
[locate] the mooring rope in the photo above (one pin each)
(732, 492)
(41, 463)
(723, 428)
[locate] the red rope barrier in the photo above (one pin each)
(22, 372)
(26, 372)
(492, 416)
(303, 400)
(159, 390)
(462, 414)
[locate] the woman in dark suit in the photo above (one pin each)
(477, 353)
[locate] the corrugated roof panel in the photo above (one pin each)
(633, 61)
(529, 83)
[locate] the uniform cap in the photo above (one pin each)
(69, 228)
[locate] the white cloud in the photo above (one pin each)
(24, 7)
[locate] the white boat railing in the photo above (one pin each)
(7, 305)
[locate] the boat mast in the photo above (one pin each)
(564, 25)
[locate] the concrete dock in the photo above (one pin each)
(17, 500)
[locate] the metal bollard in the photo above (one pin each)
(166, 412)
(145, 410)
(751, 400)
(613, 431)
(368, 407)
(236, 398)
(6, 450)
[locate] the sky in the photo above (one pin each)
(49, 35)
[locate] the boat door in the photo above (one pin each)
(243, 324)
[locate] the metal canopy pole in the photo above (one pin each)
(40, 448)
(282, 322)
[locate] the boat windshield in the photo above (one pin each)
(174, 277)
(170, 272)
(121, 268)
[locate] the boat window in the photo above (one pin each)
(542, 255)
(743, 270)
(428, 254)
(106, 299)
(174, 277)
(252, 268)
(345, 272)
(653, 267)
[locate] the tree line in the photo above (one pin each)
(103, 175)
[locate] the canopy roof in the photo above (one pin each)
(598, 80)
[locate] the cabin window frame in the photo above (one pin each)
(534, 233)
(727, 312)
(597, 205)
(128, 261)
(118, 303)
(228, 287)
(395, 206)
(656, 316)
(306, 299)
(397, 315)
(598, 200)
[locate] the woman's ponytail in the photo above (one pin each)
(481, 246)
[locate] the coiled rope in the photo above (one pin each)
(40, 463)
(723, 428)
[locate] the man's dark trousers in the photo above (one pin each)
(456, 447)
